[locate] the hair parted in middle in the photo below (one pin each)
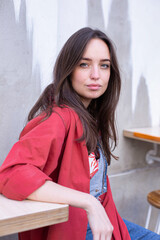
(99, 118)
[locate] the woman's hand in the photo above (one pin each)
(98, 220)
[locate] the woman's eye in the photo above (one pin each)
(84, 65)
(105, 66)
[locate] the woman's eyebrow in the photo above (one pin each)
(86, 59)
(102, 60)
(105, 60)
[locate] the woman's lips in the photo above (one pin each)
(93, 86)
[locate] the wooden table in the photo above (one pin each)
(151, 135)
(19, 216)
(144, 134)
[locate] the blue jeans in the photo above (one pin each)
(136, 232)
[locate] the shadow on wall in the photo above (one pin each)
(141, 116)
(95, 15)
(19, 87)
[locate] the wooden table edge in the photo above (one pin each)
(140, 136)
(34, 220)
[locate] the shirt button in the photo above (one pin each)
(97, 190)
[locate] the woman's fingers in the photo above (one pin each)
(99, 222)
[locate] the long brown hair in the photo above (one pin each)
(99, 117)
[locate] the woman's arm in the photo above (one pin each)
(97, 217)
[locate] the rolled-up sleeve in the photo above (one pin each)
(33, 158)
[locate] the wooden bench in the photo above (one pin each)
(154, 201)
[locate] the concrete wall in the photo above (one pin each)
(31, 35)
(19, 84)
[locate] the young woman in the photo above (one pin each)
(63, 152)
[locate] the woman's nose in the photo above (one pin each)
(95, 73)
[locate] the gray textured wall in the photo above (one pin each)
(131, 178)
(19, 87)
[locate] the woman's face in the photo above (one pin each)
(91, 76)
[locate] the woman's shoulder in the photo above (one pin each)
(65, 112)
(63, 116)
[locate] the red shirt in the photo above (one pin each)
(48, 150)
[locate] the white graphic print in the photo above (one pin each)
(93, 163)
